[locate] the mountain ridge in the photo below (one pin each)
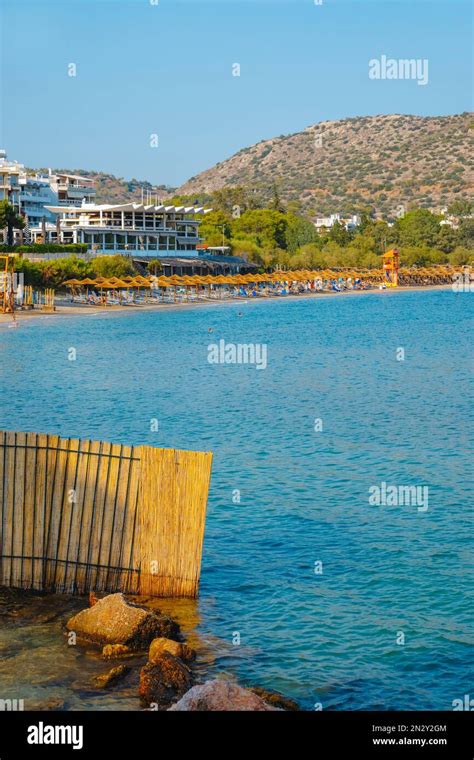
(385, 161)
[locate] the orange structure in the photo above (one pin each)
(390, 267)
(7, 294)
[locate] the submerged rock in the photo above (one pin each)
(221, 696)
(111, 651)
(164, 680)
(176, 648)
(52, 703)
(113, 620)
(275, 699)
(104, 680)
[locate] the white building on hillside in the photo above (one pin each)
(326, 222)
(36, 193)
(10, 172)
(32, 193)
(72, 189)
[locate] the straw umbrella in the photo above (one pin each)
(87, 281)
(187, 282)
(208, 280)
(175, 280)
(73, 284)
(200, 281)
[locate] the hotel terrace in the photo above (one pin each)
(127, 227)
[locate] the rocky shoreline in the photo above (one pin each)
(124, 631)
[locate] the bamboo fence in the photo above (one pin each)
(82, 515)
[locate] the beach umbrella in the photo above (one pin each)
(208, 280)
(198, 282)
(87, 281)
(144, 281)
(175, 280)
(162, 282)
(220, 280)
(187, 282)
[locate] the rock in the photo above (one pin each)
(47, 704)
(275, 699)
(164, 680)
(113, 620)
(220, 696)
(176, 648)
(110, 651)
(103, 680)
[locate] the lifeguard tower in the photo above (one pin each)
(390, 267)
(7, 293)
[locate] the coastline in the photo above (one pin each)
(73, 310)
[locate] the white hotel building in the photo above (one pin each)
(30, 194)
(154, 230)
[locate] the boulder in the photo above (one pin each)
(221, 696)
(103, 680)
(164, 680)
(112, 651)
(275, 699)
(176, 648)
(113, 620)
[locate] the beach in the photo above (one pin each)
(64, 309)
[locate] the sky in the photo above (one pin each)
(155, 94)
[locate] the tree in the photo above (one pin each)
(419, 227)
(447, 238)
(155, 266)
(339, 233)
(10, 219)
(299, 232)
(214, 224)
(268, 226)
(229, 199)
(466, 232)
(275, 203)
(112, 266)
(460, 256)
(461, 208)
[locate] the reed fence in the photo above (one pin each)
(79, 515)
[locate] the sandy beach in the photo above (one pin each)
(74, 310)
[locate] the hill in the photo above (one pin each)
(381, 161)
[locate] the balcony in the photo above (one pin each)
(78, 191)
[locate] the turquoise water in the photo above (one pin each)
(329, 637)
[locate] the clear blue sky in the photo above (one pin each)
(167, 69)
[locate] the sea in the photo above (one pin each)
(322, 578)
